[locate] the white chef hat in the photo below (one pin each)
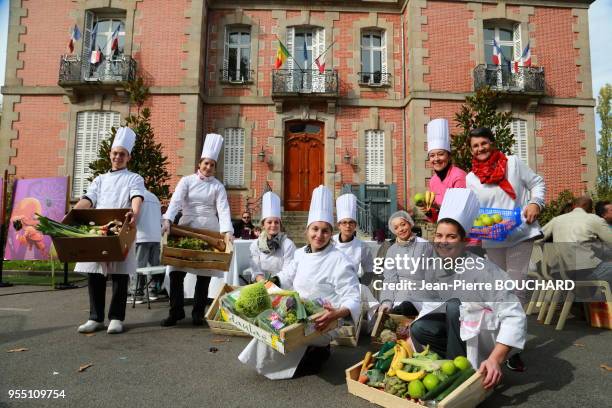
(461, 205)
(212, 146)
(270, 205)
(346, 207)
(321, 206)
(125, 137)
(438, 136)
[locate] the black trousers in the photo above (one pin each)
(441, 331)
(177, 295)
(97, 294)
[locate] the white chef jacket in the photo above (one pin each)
(149, 220)
(204, 204)
(326, 274)
(114, 189)
(487, 317)
(357, 252)
(529, 188)
(270, 264)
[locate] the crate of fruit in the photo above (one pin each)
(217, 319)
(398, 377)
(495, 223)
(196, 248)
(390, 327)
(276, 317)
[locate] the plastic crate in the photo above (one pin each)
(498, 232)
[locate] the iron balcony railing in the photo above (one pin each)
(529, 80)
(234, 76)
(296, 81)
(374, 78)
(73, 70)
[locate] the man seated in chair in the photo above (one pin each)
(583, 242)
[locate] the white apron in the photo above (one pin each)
(326, 274)
(114, 189)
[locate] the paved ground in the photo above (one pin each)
(150, 366)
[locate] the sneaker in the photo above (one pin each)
(90, 326)
(139, 300)
(515, 363)
(115, 327)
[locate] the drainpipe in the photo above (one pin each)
(205, 10)
(404, 126)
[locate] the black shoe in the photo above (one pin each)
(197, 321)
(171, 320)
(515, 363)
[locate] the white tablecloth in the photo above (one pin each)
(240, 261)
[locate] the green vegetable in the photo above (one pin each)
(444, 384)
(188, 243)
(253, 300)
(290, 318)
(425, 364)
(463, 375)
(375, 377)
(56, 229)
(381, 360)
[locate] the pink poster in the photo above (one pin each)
(45, 196)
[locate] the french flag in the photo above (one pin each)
(526, 56)
(497, 53)
(115, 39)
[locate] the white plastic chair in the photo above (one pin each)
(149, 271)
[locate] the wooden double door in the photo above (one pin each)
(304, 162)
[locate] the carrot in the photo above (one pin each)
(363, 378)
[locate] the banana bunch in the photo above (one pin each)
(429, 199)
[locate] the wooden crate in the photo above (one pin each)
(219, 326)
(467, 395)
(189, 258)
(288, 339)
(380, 323)
(349, 335)
(95, 249)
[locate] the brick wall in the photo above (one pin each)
(41, 120)
(44, 42)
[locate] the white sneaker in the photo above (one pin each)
(114, 327)
(90, 326)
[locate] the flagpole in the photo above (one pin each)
(291, 55)
(323, 53)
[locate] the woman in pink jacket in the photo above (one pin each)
(446, 175)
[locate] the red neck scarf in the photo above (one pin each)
(493, 171)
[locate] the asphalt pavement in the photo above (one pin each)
(150, 366)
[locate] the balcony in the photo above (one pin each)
(297, 84)
(374, 79)
(236, 77)
(527, 81)
(80, 77)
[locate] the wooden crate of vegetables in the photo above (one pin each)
(217, 319)
(279, 318)
(90, 235)
(348, 334)
(388, 327)
(196, 248)
(398, 377)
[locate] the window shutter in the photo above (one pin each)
(233, 157)
(318, 46)
(516, 38)
(226, 56)
(87, 44)
(519, 130)
(375, 156)
(92, 128)
(383, 51)
(289, 63)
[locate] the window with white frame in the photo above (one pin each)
(92, 127)
(237, 57)
(520, 149)
(103, 45)
(373, 57)
(507, 37)
(375, 156)
(233, 157)
(306, 45)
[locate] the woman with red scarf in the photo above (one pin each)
(505, 182)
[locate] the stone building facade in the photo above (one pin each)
(390, 67)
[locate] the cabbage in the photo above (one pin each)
(253, 300)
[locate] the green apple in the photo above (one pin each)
(419, 199)
(497, 218)
(477, 223)
(486, 220)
